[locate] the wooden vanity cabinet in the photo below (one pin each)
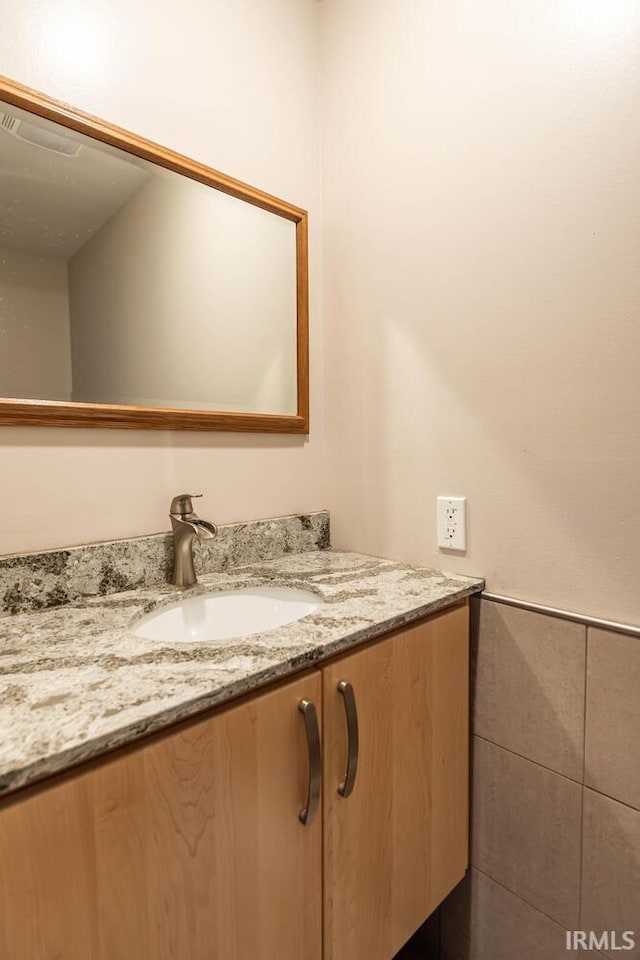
(398, 844)
(190, 846)
(187, 848)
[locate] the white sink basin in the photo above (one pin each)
(232, 613)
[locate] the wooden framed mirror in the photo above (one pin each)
(139, 288)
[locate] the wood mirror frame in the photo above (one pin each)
(51, 413)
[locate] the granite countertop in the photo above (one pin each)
(75, 682)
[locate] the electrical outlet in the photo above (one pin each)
(452, 523)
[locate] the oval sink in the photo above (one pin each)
(232, 613)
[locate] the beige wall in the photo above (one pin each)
(482, 245)
(480, 177)
(240, 95)
(186, 297)
(35, 357)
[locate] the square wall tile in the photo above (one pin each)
(611, 869)
(529, 685)
(613, 716)
(526, 826)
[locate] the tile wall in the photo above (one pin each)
(556, 790)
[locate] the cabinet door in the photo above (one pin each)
(188, 848)
(398, 844)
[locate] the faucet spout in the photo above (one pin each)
(186, 525)
(204, 529)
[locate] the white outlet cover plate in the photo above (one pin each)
(452, 523)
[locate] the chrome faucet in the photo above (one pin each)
(186, 525)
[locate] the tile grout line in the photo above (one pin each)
(521, 756)
(523, 900)
(578, 783)
(520, 898)
(584, 774)
(608, 796)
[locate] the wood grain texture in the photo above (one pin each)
(50, 413)
(189, 848)
(120, 416)
(395, 848)
(47, 878)
(302, 281)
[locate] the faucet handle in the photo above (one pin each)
(181, 505)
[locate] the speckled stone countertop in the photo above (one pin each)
(75, 682)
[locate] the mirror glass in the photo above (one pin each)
(123, 282)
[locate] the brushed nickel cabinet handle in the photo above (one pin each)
(345, 787)
(308, 814)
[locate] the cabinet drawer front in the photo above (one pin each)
(187, 848)
(398, 843)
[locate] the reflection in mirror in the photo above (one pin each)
(123, 282)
